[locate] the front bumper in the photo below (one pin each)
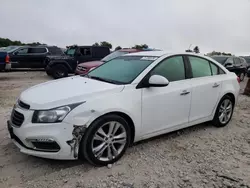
(24, 136)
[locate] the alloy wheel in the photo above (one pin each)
(225, 111)
(109, 141)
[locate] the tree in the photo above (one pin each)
(247, 88)
(196, 49)
(118, 48)
(107, 44)
(96, 44)
(188, 50)
(103, 43)
(140, 47)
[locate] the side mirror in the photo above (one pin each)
(157, 81)
(229, 65)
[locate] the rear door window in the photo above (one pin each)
(200, 67)
(86, 52)
(237, 61)
(37, 50)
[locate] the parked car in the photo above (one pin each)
(4, 61)
(61, 66)
(233, 64)
(247, 58)
(125, 100)
(31, 56)
(85, 67)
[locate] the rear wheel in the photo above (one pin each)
(223, 112)
(106, 140)
(59, 71)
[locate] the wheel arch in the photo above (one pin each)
(64, 63)
(126, 117)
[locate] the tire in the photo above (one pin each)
(59, 71)
(242, 76)
(219, 122)
(88, 142)
(48, 72)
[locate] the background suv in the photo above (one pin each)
(61, 66)
(32, 56)
(85, 67)
(233, 64)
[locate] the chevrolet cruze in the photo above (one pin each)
(125, 100)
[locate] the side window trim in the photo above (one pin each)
(140, 84)
(46, 51)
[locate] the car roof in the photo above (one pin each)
(160, 53)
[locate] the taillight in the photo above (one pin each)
(238, 79)
(7, 59)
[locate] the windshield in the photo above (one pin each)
(121, 70)
(221, 60)
(113, 55)
(10, 48)
(70, 51)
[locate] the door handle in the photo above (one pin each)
(185, 92)
(215, 85)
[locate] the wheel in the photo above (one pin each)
(106, 140)
(223, 112)
(59, 71)
(242, 76)
(48, 72)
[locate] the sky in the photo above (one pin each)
(171, 25)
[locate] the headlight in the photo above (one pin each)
(53, 115)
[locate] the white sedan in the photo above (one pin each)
(125, 100)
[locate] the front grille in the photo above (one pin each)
(46, 146)
(23, 105)
(17, 118)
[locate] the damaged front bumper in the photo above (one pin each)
(54, 141)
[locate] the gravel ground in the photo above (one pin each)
(199, 156)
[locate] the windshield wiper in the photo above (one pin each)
(104, 79)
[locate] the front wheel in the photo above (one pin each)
(59, 71)
(106, 140)
(223, 112)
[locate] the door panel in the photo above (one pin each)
(165, 107)
(206, 87)
(205, 95)
(18, 58)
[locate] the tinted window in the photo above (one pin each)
(220, 59)
(200, 67)
(22, 51)
(237, 61)
(55, 50)
(85, 51)
(113, 55)
(172, 68)
(37, 50)
(215, 69)
(230, 61)
(123, 69)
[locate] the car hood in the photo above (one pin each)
(66, 91)
(91, 64)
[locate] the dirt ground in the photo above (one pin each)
(199, 156)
